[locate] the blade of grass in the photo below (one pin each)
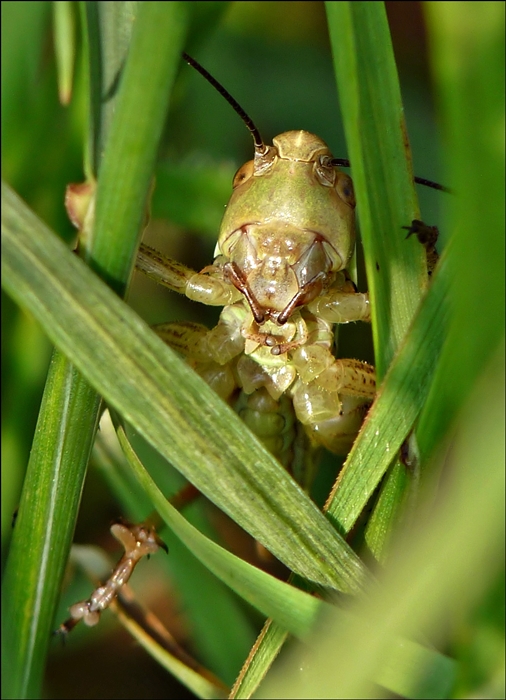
(472, 103)
(45, 525)
(376, 135)
(261, 657)
(370, 98)
(196, 680)
(396, 407)
(107, 33)
(65, 47)
(129, 159)
(167, 403)
(394, 491)
(295, 609)
(30, 607)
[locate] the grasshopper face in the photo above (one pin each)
(288, 227)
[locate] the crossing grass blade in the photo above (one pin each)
(67, 424)
(368, 86)
(168, 403)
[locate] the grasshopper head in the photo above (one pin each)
(289, 225)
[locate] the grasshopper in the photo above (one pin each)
(280, 272)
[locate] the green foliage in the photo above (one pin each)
(446, 352)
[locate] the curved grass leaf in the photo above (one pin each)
(397, 406)
(289, 606)
(368, 86)
(56, 470)
(262, 656)
(167, 403)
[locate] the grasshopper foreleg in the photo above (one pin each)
(427, 236)
(341, 303)
(209, 352)
(207, 287)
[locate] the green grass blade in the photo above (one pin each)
(107, 33)
(45, 525)
(394, 491)
(396, 407)
(35, 600)
(197, 681)
(376, 136)
(262, 655)
(65, 47)
(291, 607)
(129, 159)
(472, 102)
(167, 403)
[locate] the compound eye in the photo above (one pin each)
(243, 174)
(325, 172)
(344, 188)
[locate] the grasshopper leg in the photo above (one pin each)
(195, 342)
(427, 236)
(209, 287)
(341, 303)
(332, 405)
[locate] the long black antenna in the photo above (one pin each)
(260, 147)
(345, 163)
(434, 185)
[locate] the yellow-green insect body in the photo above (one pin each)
(287, 236)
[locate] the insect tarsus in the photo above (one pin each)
(138, 541)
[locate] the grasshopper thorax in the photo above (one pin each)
(288, 227)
